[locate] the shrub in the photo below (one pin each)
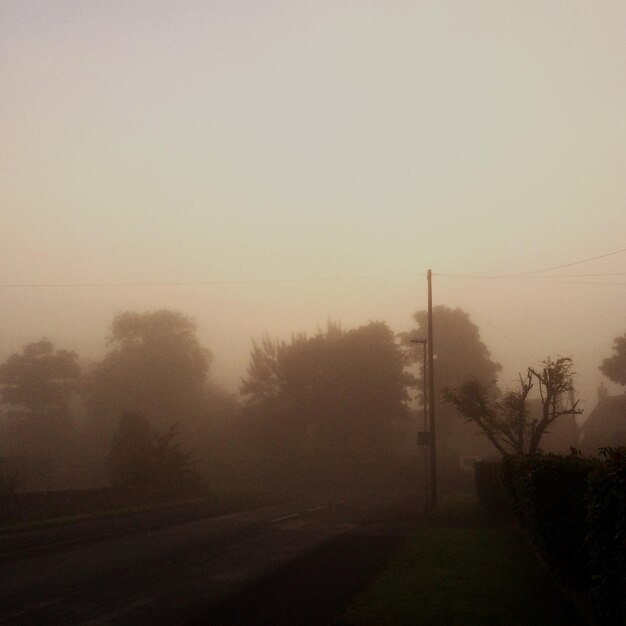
(548, 495)
(606, 517)
(141, 458)
(575, 512)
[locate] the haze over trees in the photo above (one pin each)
(460, 355)
(38, 384)
(142, 458)
(155, 367)
(505, 419)
(315, 409)
(58, 423)
(329, 405)
(614, 367)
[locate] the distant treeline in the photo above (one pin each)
(148, 415)
(316, 410)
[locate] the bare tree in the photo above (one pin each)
(506, 421)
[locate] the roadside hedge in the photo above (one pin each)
(548, 495)
(574, 509)
(606, 515)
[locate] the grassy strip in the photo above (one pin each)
(453, 575)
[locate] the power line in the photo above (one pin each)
(206, 282)
(517, 276)
(563, 280)
(558, 267)
(598, 274)
(547, 269)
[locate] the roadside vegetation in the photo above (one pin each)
(460, 568)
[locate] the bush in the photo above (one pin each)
(548, 494)
(143, 459)
(606, 517)
(575, 512)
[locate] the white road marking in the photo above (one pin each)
(318, 508)
(282, 519)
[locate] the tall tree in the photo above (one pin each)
(460, 356)
(614, 367)
(337, 395)
(39, 382)
(155, 367)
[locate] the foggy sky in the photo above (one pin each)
(256, 141)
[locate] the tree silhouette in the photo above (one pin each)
(505, 421)
(156, 367)
(131, 457)
(39, 383)
(40, 379)
(337, 397)
(614, 367)
(141, 458)
(460, 356)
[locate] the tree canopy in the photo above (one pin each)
(155, 367)
(460, 356)
(614, 367)
(459, 352)
(336, 394)
(40, 382)
(40, 379)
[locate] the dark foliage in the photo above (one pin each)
(38, 438)
(40, 379)
(606, 517)
(327, 404)
(614, 367)
(460, 356)
(548, 494)
(574, 509)
(506, 421)
(156, 367)
(141, 458)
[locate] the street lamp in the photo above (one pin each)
(423, 437)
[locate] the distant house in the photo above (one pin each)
(606, 424)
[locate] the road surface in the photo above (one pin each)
(174, 574)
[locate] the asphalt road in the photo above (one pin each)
(182, 572)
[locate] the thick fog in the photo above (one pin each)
(264, 168)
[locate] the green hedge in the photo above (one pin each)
(606, 515)
(548, 494)
(574, 509)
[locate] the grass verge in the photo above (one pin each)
(461, 569)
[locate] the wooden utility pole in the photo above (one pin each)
(431, 396)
